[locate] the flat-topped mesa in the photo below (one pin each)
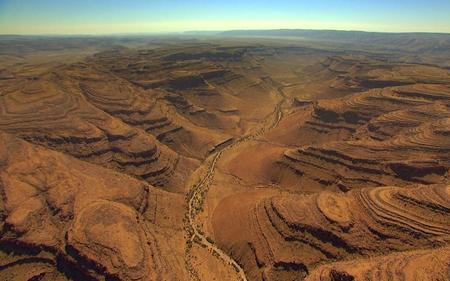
(309, 230)
(353, 111)
(52, 111)
(74, 217)
(364, 73)
(396, 135)
(199, 88)
(145, 109)
(418, 155)
(390, 124)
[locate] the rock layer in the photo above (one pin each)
(286, 236)
(65, 217)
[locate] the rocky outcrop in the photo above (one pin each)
(391, 136)
(308, 230)
(52, 111)
(62, 216)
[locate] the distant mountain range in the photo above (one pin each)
(328, 34)
(437, 44)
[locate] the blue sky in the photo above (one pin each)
(119, 16)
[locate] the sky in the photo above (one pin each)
(161, 16)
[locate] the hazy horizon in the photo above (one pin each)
(209, 32)
(49, 17)
(225, 140)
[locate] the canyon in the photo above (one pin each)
(247, 156)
